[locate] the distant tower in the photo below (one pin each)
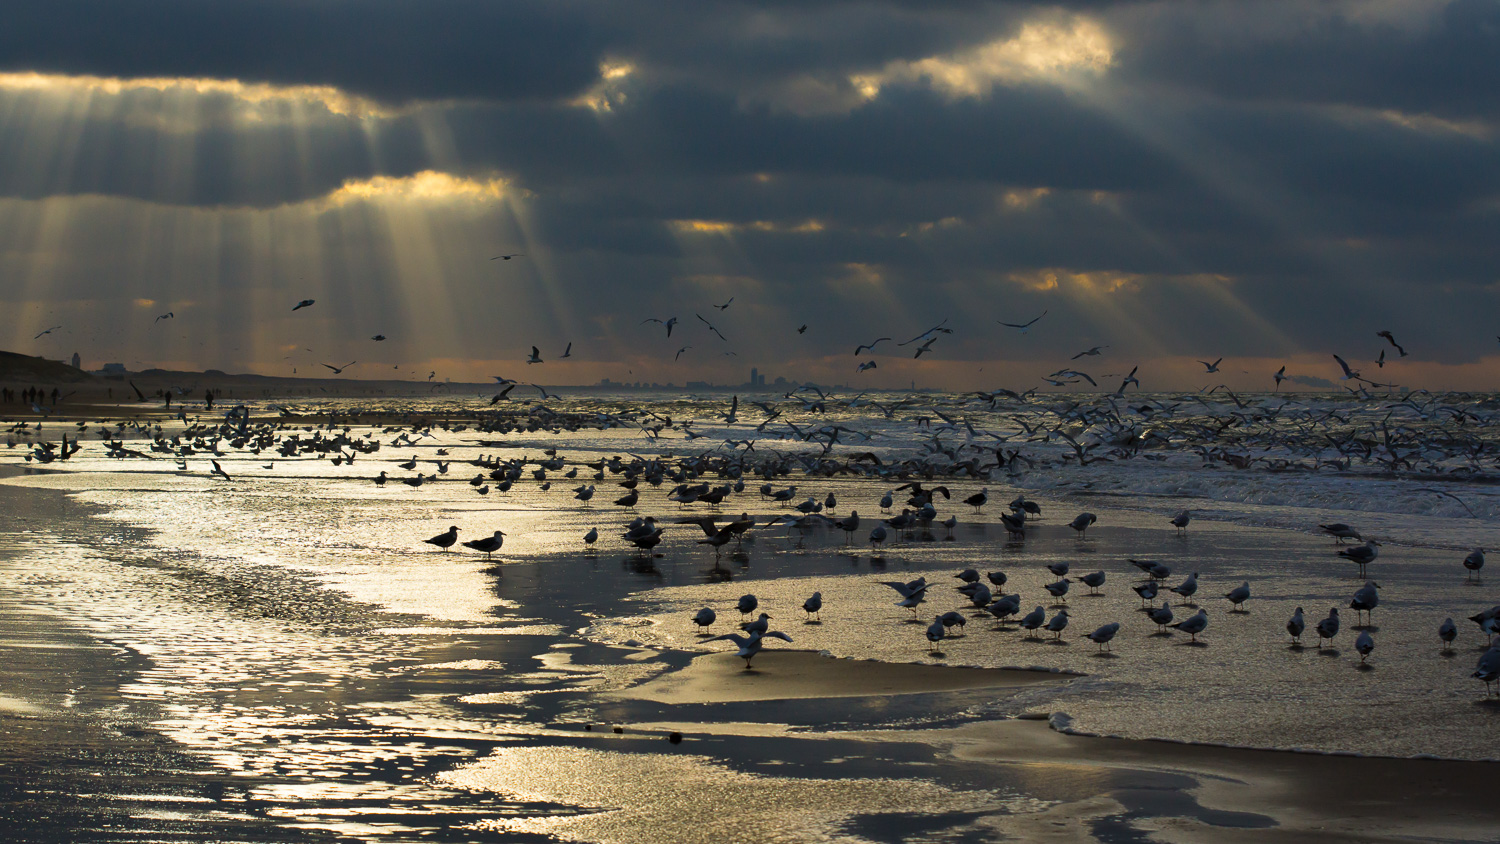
(754, 376)
(77, 361)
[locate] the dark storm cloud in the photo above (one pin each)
(389, 50)
(1443, 65)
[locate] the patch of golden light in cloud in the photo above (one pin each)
(1101, 281)
(1020, 199)
(607, 93)
(143, 303)
(1048, 51)
(253, 93)
(722, 227)
(1433, 125)
(426, 186)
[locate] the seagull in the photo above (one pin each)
(1162, 615)
(1488, 668)
(591, 537)
(1180, 521)
(1295, 625)
(488, 545)
(705, 617)
(1187, 588)
(668, 323)
(1365, 599)
(867, 365)
(1328, 627)
(870, 346)
(339, 370)
(1091, 353)
(1340, 532)
(802, 330)
(1081, 523)
(1238, 596)
(1280, 376)
(1387, 335)
(1474, 562)
(1093, 581)
(536, 356)
(508, 257)
(912, 593)
(725, 305)
(935, 633)
(500, 396)
(167, 315)
(568, 352)
(48, 331)
(758, 626)
(1129, 379)
(930, 334)
(747, 604)
(1447, 632)
(751, 645)
(1193, 625)
(303, 304)
(1058, 624)
(378, 338)
(711, 327)
(1034, 619)
(219, 470)
(1147, 591)
(1364, 644)
(1362, 555)
(1211, 367)
(1348, 373)
(1103, 635)
(1058, 589)
(1024, 326)
(1073, 373)
(680, 351)
(814, 605)
(444, 540)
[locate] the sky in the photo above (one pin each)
(1266, 182)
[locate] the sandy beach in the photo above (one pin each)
(279, 657)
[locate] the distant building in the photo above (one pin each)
(114, 369)
(77, 361)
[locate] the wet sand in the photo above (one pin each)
(788, 674)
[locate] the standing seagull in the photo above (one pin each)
(1180, 521)
(812, 606)
(1365, 644)
(1474, 562)
(488, 545)
(1328, 627)
(751, 645)
(1194, 624)
(1103, 635)
(1361, 555)
(1295, 625)
(444, 540)
(1365, 600)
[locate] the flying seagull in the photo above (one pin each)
(668, 323)
(378, 337)
(167, 315)
(1387, 335)
(869, 346)
(725, 305)
(1279, 376)
(508, 257)
(339, 370)
(869, 364)
(930, 334)
(1094, 351)
(1024, 326)
(536, 356)
(48, 331)
(568, 352)
(1348, 373)
(1211, 367)
(680, 351)
(711, 327)
(303, 304)
(803, 330)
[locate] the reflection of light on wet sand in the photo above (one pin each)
(687, 799)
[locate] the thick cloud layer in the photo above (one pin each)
(1175, 180)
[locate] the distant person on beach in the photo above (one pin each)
(208, 399)
(55, 394)
(167, 395)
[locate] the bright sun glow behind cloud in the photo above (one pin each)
(252, 93)
(1040, 51)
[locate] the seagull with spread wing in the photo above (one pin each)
(668, 323)
(869, 346)
(339, 370)
(711, 327)
(1387, 335)
(930, 334)
(1024, 326)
